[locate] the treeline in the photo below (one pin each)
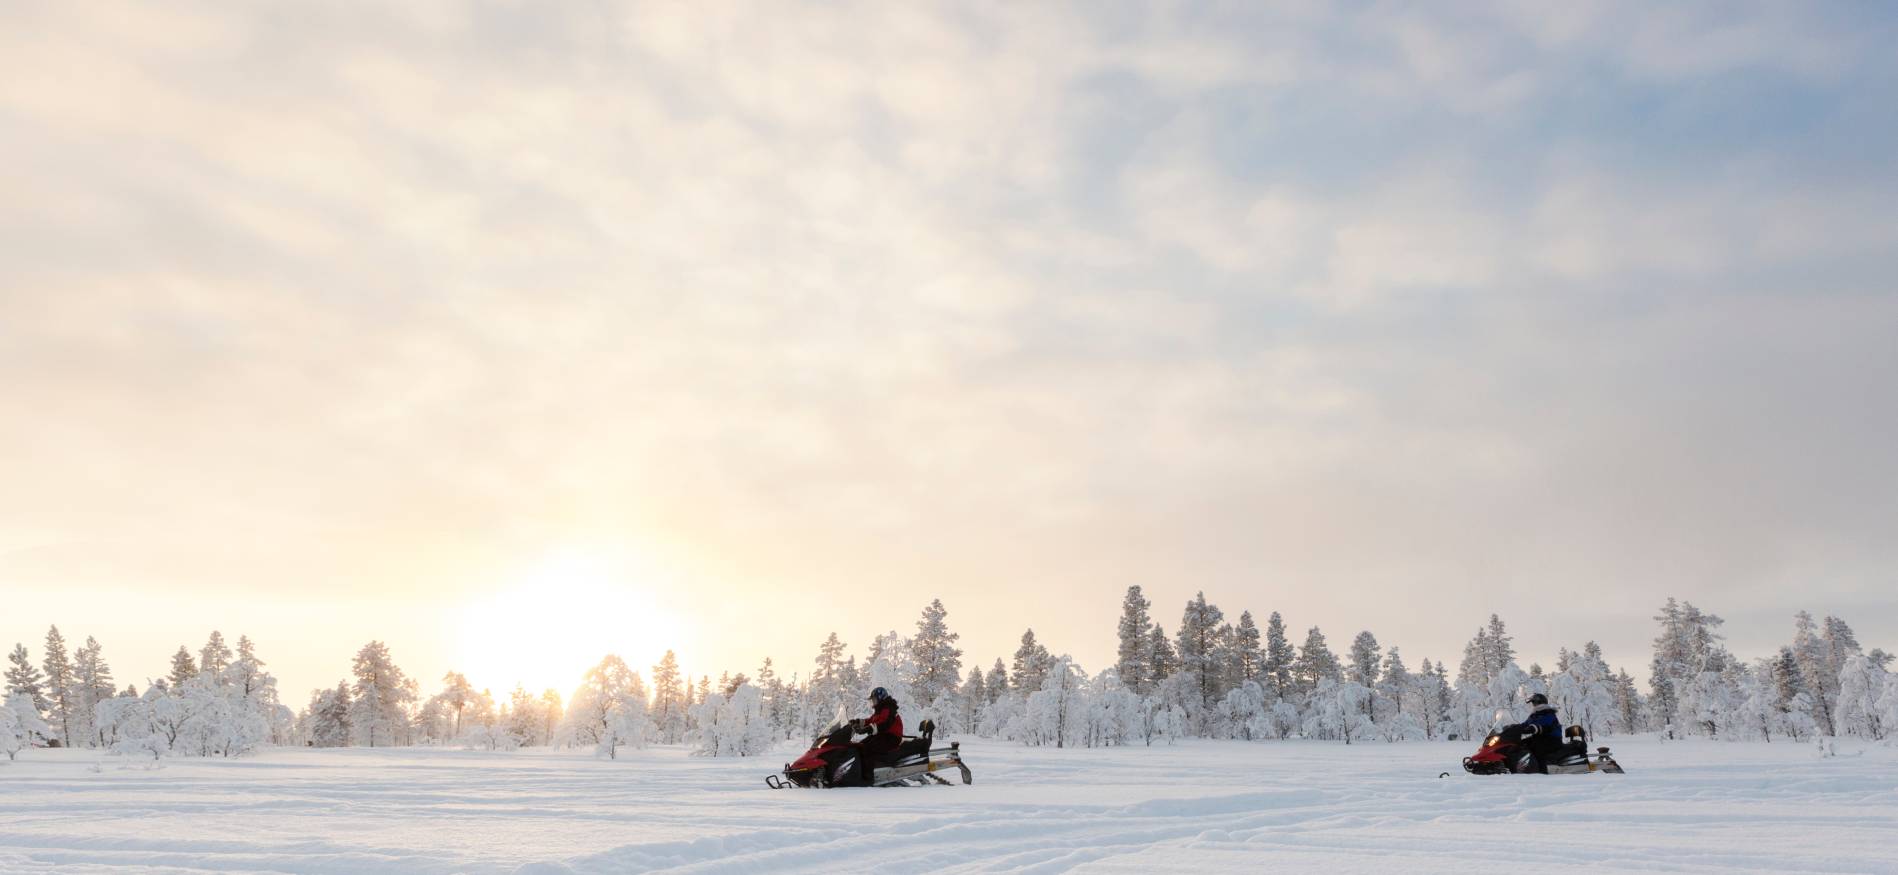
(1210, 678)
(221, 702)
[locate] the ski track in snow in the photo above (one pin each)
(1693, 806)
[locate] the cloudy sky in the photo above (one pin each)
(727, 326)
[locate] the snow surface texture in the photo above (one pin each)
(1693, 806)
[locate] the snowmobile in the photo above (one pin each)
(1507, 752)
(832, 761)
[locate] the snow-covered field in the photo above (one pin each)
(1200, 807)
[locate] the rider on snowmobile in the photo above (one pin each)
(1548, 736)
(886, 732)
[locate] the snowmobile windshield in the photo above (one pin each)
(837, 721)
(1500, 720)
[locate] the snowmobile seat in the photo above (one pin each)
(1574, 744)
(917, 745)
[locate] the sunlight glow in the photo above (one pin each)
(547, 626)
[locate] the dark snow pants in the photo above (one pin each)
(870, 752)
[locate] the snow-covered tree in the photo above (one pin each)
(734, 726)
(1200, 645)
(453, 701)
(1247, 654)
(1861, 684)
(1055, 714)
(832, 686)
(1111, 713)
(1819, 666)
(183, 668)
(1583, 692)
(1280, 659)
(1135, 655)
(1162, 663)
(24, 677)
(669, 700)
(610, 709)
(62, 689)
(1338, 711)
(1031, 663)
(379, 699)
(328, 717)
(20, 723)
(215, 656)
(1315, 662)
(936, 662)
(92, 680)
(1166, 712)
(1361, 665)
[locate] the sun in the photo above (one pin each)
(545, 627)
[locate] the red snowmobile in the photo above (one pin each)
(832, 760)
(1508, 751)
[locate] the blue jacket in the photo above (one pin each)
(1546, 723)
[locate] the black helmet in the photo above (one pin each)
(879, 694)
(1538, 699)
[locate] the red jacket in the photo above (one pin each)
(886, 720)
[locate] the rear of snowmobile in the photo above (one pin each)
(832, 762)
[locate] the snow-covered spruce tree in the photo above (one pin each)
(25, 677)
(1315, 662)
(92, 679)
(998, 682)
(1861, 683)
(1247, 654)
(1630, 707)
(215, 655)
(1433, 686)
(1361, 667)
(1135, 654)
(1199, 645)
(1163, 663)
(974, 697)
(328, 717)
(1397, 701)
(830, 686)
(62, 691)
(183, 668)
(935, 663)
(669, 700)
(1031, 664)
(1278, 669)
(379, 699)
(777, 700)
(1792, 706)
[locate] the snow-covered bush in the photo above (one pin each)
(20, 724)
(734, 725)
